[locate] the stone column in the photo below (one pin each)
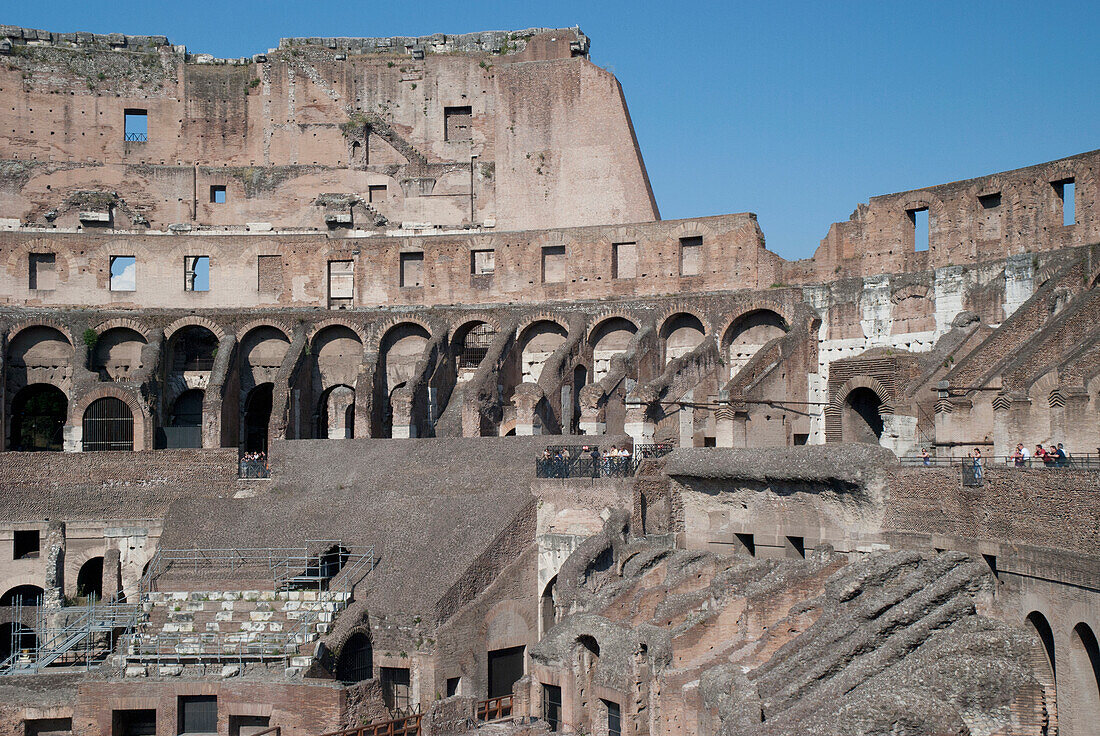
(54, 587)
(401, 403)
(525, 399)
(640, 428)
(687, 420)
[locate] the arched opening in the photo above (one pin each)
(861, 419)
(537, 343)
(184, 428)
(356, 662)
(89, 580)
(589, 644)
(1043, 662)
(471, 344)
(580, 380)
(401, 349)
(680, 334)
(356, 153)
(117, 354)
(338, 353)
(1084, 671)
(23, 595)
(108, 426)
(336, 413)
(192, 348)
(750, 332)
(257, 417)
(39, 354)
(38, 418)
(15, 637)
(608, 339)
(548, 615)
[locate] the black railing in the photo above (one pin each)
(137, 138)
(1071, 462)
(652, 452)
(253, 469)
(586, 467)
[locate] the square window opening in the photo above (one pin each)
(553, 264)
(376, 193)
(197, 714)
(142, 722)
(196, 273)
(551, 706)
(457, 123)
(482, 262)
(796, 547)
(412, 269)
(123, 273)
(1066, 190)
(801, 439)
(990, 201)
(49, 726)
(217, 194)
(453, 684)
(27, 544)
(691, 250)
(396, 687)
(748, 543)
(136, 125)
(42, 271)
(624, 260)
(918, 218)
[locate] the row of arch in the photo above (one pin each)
(1071, 677)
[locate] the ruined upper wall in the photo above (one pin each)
(515, 130)
(970, 221)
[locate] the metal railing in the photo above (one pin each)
(1072, 462)
(137, 138)
(654, 451)
(493, 709)
(253, 469)
(586, 467)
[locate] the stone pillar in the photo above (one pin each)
(590, 410)
(112, 573)
(401, 403)
(54, 587)
(687, 420)
(640, 428)
(724, 435)
(525, 399)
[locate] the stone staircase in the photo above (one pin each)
(231, 627)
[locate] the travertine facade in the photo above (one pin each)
(444, 251)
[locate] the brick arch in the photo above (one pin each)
(1061, 170)
(143, 429)
(708, 327)
(336, 643)
(47, 322)
(73, 564)
(756, 305)
(379, 331)
(543, 317)
(511, 609)
(17, 259)
(919, 199)
(127, 324)
(193, 320)
(603, 317)
(869, 382)
(27, 578)
(690, 229)
(466, 319)
(243, 331)
(355, 327)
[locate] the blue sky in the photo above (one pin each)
(795, 111)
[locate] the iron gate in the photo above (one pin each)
(108, 425)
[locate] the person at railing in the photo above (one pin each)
(1021, 456)
(1061, 456)
(975, 456)
(926, 459)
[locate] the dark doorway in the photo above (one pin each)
(49, 726)
(580, 379)
(37, 418)
(89, 581)
(108, 425)
(185, 421)
(198, 714)
(15, 638)
(356, 661)
(22, 595)
(505, 667)
(257, 417)
(862, 421)
(551, 706)
(248, 725)
(396, 687)
(134, 722)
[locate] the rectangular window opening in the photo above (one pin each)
(49, 726)
(614, 718)
(918, 218)
(137, 126)
(248, 725)
(482, 262)
(624, 260)
(217, 194)
(991, 560)
(412, 269)
(341, 284)
(196, 273)
(553, 264)
(27, 544)
(801, 439)
(376, 193)
(1067, 195)
(395, 687)
(457, 123)
(42, 271)
(748, 543)
(123, 273)
(796, 547)
(198, 714)
(551, 706)
(453, 684)
(691, 250)
(990, 201)
(141, 722)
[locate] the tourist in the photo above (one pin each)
(1021, 455)
(1062, 456)
(976, 456)
(927, 459)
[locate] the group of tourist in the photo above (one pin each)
(587, 460)
(253, 465)
(1054, 456)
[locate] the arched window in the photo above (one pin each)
(22, 595)
(38, 417)
(108, 425)
(862, 421)
(89, 581)
(356, 662)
